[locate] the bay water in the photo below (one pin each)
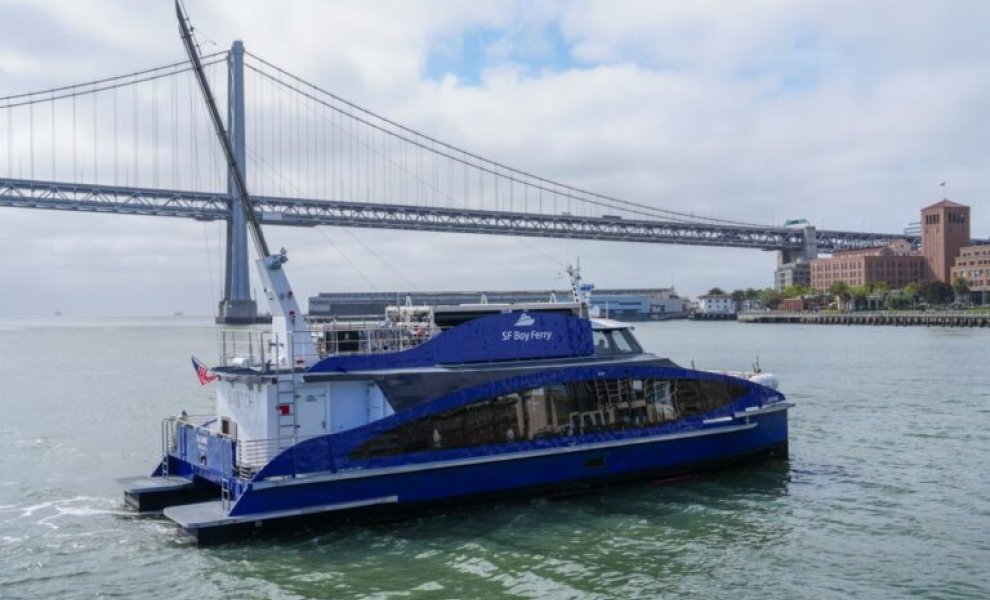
(886, 494)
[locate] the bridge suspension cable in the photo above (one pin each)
(466, 158)
(107, 83)
(302, 141)
(128, 130)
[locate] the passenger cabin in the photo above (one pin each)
(400, 364)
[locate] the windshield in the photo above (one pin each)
(614, 341)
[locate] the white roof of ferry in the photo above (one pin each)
(609, 324)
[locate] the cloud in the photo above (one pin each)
(847, 114)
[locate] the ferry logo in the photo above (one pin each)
(525, 321)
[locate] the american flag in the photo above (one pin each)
(203, 372)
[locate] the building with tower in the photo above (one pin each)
(944, 232)
(945, 237)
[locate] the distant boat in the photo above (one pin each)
(177, 313)
(58, 313)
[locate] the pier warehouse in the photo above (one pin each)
(633, 304)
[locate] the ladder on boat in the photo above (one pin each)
(285, 406)
(226, 476)
(168, 436)
(285, 399)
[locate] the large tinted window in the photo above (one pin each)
(553, 411)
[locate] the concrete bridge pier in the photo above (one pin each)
(237, 306)
(792, 264)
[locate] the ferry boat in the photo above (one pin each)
(434, 407)
(512, 400)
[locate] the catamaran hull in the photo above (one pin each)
(271, 507)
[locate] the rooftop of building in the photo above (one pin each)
(894, 248)
(944, 203)
(478, 293)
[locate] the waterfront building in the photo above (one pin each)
(750, 305)
(716, 304)
(973, 265)
(792, 304)
(944, 229)
(944, 232)
(663, 303)
(793, 273)
(630, 304)
(371, 305)
(622, 307)
(896, 265)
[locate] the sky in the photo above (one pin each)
(848, 114)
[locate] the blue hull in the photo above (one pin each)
(274, 506)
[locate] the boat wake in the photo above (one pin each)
(55, 513)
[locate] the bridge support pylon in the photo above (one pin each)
(237, 306)
(793, 265)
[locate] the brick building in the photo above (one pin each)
(944, 232)
(896, 265)
(944, 235)
(973, 265)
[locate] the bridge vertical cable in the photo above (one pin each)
(140, 143)
(374, 159)
(118, 131)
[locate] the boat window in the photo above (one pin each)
(630, 340)
(620, 341)
(573, 408)
(602, 342)
(614, 341)
(696, 397)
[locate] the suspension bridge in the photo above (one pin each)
(141, 144)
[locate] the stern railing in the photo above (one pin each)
(241, 459)
(253, 455)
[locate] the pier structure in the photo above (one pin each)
(896, 318)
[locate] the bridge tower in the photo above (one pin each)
(237, 306)
(794, 265)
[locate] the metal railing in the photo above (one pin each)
(370, 337)
(252, 349)
(262, 350)
(248, 456)
(252, 455)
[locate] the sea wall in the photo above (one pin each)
(897, 318)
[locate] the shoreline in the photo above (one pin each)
(893, 318)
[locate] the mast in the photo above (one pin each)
(288, 325)
(228, 148)
(580, 292)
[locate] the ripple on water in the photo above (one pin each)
(885, 495)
